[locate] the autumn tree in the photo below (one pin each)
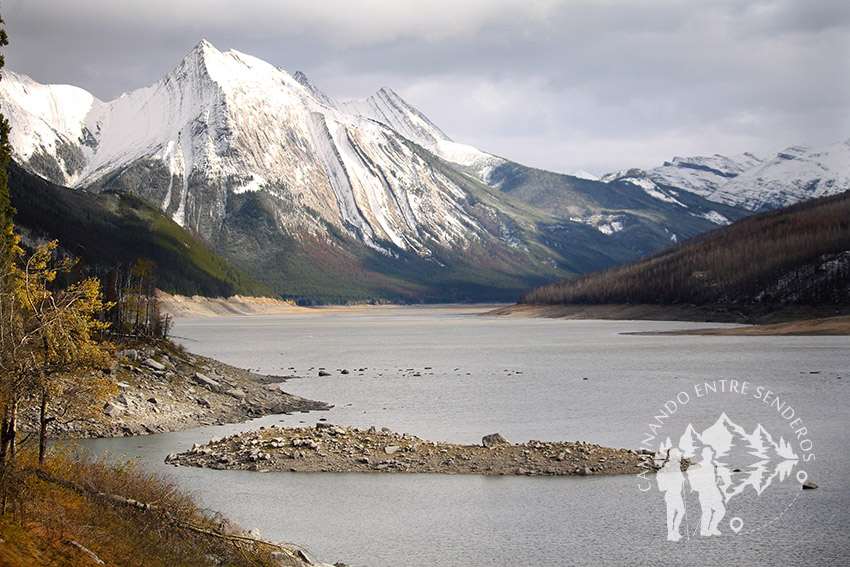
(60, 355)
(9, 395)
(49, 355)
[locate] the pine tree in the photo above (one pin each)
(6, 210)
(10, 391)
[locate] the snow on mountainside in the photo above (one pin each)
(388, 108)
(295, 188)
(762, 182)
(233, 123)
(702, 175)
(582, 174)
(287, 183)
(52, 124)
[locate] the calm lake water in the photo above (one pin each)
(446, 373)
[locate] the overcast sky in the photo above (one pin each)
(557, 84)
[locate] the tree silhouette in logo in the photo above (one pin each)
(710, 473)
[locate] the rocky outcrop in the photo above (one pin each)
(335, 448)
(163, 388)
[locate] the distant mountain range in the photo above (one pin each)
(761, 183)
(368, 200)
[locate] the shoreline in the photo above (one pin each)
(339, 449)
(759, 321)
(799, 322)
(163, 389)
(180, 306)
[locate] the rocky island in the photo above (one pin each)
(333, 448)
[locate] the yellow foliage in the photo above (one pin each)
(51, 354)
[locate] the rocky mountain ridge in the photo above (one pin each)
(759, 183)
(296, 189)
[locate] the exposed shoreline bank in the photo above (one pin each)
(179, 306)
(764, 322)
(788, 322)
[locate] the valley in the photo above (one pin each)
(292, 188)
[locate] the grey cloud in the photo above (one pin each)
(563, 84)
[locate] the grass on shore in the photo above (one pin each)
(74, 511)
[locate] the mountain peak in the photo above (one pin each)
(315, 91)
(388, 92)
(226, 66)
(198, 58)
(202, 51)
(387, 107)
(204, 45)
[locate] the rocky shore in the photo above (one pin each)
(163, 388)
(334, 448)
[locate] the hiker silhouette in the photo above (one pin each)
(702, 477)
(671, 482)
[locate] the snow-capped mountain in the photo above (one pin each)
(226, 123)
(582, 174)
(759, 183)
(293, 186)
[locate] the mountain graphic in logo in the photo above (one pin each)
(741, 459)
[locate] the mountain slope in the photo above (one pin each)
(329, 201)
(115, 230)
(796, 256)
(630, 209)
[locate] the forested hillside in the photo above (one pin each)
(798, 255)
(113, 231)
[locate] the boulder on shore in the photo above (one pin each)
(494, 440)
(151, 363)
(206, 381)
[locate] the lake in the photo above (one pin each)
(447, 373)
